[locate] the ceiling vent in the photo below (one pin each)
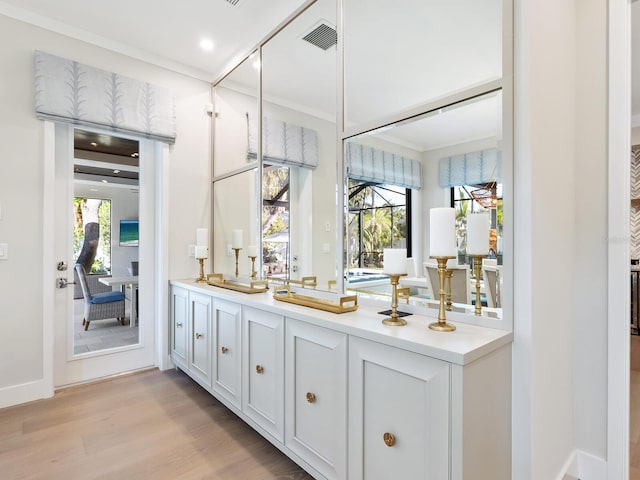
(322, 36)
(233, 2)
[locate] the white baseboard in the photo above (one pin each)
(26, 392)
(584, 466)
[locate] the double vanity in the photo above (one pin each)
(345, 396)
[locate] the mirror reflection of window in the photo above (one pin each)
(275, 222)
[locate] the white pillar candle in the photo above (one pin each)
(478, 234)
(201, 251)
(252, 251)
(236, 238)
(394, 260)
(442, 232)
(202, 237)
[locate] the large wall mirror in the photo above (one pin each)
(450, 157)
(299, 150)
(235, 167)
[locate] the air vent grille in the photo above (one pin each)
(233, 2)
(323, 36)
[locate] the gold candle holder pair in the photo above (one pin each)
(441, 325)
(394, 320)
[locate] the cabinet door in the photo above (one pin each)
(227, 357)
(179, 323)
(398, 413)
(263, 373)
(316, 402)
(200, 355)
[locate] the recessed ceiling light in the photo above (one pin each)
(206, 44)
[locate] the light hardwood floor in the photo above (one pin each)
(634, 410)
(152, 424)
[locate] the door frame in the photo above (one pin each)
(619, 139)
(156, 264)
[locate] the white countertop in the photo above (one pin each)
(466, 344)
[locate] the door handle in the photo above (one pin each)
(62, 282)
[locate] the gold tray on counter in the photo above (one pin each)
(254, 286)
(286, 295)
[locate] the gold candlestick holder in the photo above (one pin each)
(254, 274)
(201, 278)
(237, 250)
(394, 320)
(448, 276)
(441, 325)
(477, 269)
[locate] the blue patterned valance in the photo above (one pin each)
(284, 143)
(472, 168)
(372, 165)
(72, 92)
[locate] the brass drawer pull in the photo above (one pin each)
(199, 335)
(259, 369)
(178, 325)
(311, 398)
(389, 439)
(224, 349)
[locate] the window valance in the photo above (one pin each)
(72, 92)
(473, 168)
(285, 143)
(372, 165)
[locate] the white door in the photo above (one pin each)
(70, 367)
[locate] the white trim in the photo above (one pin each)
(584, 466)
(25, 392)
(162, 353)
(48, 261)
(619, 69)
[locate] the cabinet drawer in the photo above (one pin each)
(263, 375)
(398, 413)
(200, 358)
(316, 396)
(179, 324)
(227, 357)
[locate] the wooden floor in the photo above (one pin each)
(634, 410)
(153, 424)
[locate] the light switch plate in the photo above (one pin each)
(4, 251)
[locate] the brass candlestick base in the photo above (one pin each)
(441, 325)
(394, 320)
(201, 278)
(254, 274)
(477, 268)
(237, 250)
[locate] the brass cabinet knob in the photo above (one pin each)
(199, 335)
(178, 325)
(389, 439)
(311, 398)
(224, 349)
(259, 369)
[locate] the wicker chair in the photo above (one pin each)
(100, 306)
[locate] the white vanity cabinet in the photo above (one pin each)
(227, 343)
(263, 371)
(346, 397)
(179, 325)
(200, 337)
(398, 413)
(316, 396)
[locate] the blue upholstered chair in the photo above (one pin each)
(101, 306)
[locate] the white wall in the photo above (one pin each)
(21, 181)
(559, 352)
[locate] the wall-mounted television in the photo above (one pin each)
(129, 233)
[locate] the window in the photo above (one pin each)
(275, 221)
(468, 199)
(92, 222)
(379, 218)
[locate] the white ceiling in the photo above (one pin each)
(163, 32)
